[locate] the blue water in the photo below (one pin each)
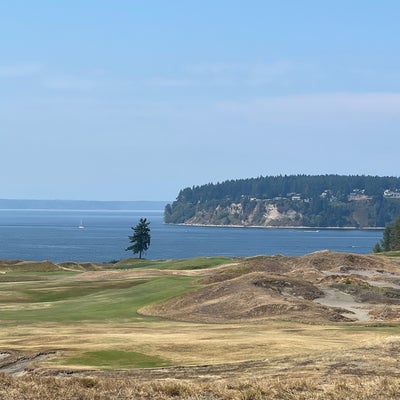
(54, 235)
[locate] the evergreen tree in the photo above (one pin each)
(377, 248)
(386, 238)
(141, 237)
(391, 237)
(395, 235)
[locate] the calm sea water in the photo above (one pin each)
(55, 235)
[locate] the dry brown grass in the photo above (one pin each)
(186, 343)
(49, 388)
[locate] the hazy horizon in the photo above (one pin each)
(63, 204)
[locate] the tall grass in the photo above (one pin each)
(89, 388)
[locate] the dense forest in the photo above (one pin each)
(294, 200)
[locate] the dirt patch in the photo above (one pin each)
(363, 292)
(18, 364)
(290, 287)
(350, 307)
(327, 260)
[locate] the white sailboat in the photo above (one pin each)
(81, 226)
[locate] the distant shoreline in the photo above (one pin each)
(83, 205)
(285, 227)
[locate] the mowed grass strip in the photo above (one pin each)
(78, 289)
(182, 264)
(18, 276)
(393, 254)
(115, 359)
(89, 301)
(43, 291)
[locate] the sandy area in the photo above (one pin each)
(336, 298)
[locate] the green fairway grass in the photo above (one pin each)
(394, 254)
(74, 300)
(113, 359)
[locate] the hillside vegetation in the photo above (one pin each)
(297, 200)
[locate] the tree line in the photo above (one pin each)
(309, 186)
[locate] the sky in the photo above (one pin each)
(138, 99)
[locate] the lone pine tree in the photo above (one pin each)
(141, 237)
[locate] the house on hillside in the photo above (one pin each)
(328, 195)
(358, 195)
(294, 196)
(392, 194)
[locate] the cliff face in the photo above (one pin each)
(314, 201)
(359, 215)
(260, 215)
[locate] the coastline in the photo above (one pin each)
(354, 228)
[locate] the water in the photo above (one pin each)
(55, 235)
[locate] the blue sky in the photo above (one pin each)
(135, 100)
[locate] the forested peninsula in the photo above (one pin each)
(355, 201)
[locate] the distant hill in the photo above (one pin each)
(81, 205)
(294, 200)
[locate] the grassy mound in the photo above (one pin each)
(285, 288)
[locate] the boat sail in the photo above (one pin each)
(81, 226)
